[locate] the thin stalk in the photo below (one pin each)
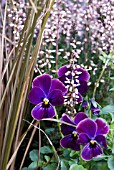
(33, 6)
(39, 144)
(55, 152)
(102, 72)
(18, 128)
(2, 48)
(28, 146)
(59, 121)
(19, 144)
(6, 38)
(1, 68)
(59, 127)
(26, 108)
(6, 65)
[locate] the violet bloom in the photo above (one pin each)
(91, 135)
(85, 104)
(94, 107)
(80, 76)
(70, 139)
(46, 93)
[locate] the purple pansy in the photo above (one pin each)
(70, 139)
(94, 107)
(81, 78)
(91, 135)
(46, 93)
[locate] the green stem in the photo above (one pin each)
(94, 91)
(59, 127)
(81, 160)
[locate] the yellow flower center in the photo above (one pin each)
(92, 142)
(74, 134)
(46, 101)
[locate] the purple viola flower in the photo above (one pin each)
(70, 139)
(91, 135)
(94, 107)
(80, 75)
(85, 104)
(46, 93)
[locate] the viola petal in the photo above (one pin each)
(43, 82)
(83, 139)
(36, 95)
(101, 140)
(83, 87)
(69, 142)
(102, 127)
(89, 152)
(67, 129)
(87, 126)
(86, 153)
(80, 116)
(56, 97)
(63, 80)
(80, 98)
(39, 112)
(57, 84)
(63, 70)
(97, 151)
(85, 76)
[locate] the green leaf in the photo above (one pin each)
(112, 89)
(111, 163)
(32, 166)
(104, 54)
(34, 155)
(47, 158)
(25, 168)
(49, 130)
(112, 78)
(50, 167)
(71, 162)
(45, 150)
(73, 153)
(66, 153)
(109, 109)
(102, 58)
(99, 165)
(77, 167)
(64, 165)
